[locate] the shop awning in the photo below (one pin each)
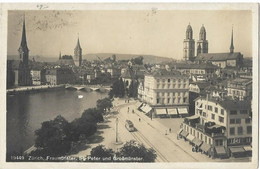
(184, 133)
(147, 109)
(161, 111)
(247, 148)
(192, 117)
(172, 112)
(220, 150)
(190, 137)
(205, 147)
(138, 104)
(182, 110)
(237, 149)
(142, 107)
(180, 131)
(197, 141)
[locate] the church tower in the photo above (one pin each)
(189, 45)
(24, 76)
(78, 54)
(23, 49)
(231, 45)
(202, 44)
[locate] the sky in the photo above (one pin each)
(153, 32)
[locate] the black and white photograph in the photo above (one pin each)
(130, 84)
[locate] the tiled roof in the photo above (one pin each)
(217, 56)
(165, 73)
(194, 66)
(230, 104)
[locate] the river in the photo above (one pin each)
(26, 112)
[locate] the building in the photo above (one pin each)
(128, 76)
(220, 127)
(189, 45)
(66, 60)
(240, 88)
(78, 54)
(36, 76)
(57, 76)
(202, 44)
(166, 91)
(223, 60)
(114, 72)
(23, 76)
(202, 71)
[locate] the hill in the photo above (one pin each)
(147, 58)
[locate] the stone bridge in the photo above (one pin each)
(89, 87)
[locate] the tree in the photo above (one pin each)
(53, 136)
(102, 152)
(92, 115)
(104, 104)
(134, 149)
(138, 60)
(133, 89)
(118, 89)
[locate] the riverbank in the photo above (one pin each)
(32, 89)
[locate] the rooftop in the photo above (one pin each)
(218, 56)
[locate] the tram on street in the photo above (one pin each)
(129, 126)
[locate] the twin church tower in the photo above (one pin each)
(189, 43)
(202, 44)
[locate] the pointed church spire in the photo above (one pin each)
(23, 41)
(60, 56)
(78, 44)
(231, 45)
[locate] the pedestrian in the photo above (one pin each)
(170, 130)
(128, 109)
(166, 132)
(128, 100)
(139, 119)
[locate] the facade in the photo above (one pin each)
(240, 88)
(219, 126)
(202, 44)
(36, 76)
(128, 76)
(57, 76)
(189, 45)
(166, 89)
(78, 54)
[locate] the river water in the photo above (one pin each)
(26, 112)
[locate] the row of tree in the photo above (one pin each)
(55, 137)
(134, 151)
(120, 89)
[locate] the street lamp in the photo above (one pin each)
(116, 130)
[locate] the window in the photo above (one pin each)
(247, 120)
(243, 111)
(169, 80)
(184, 80)
(162, 94)
(198, 134)
(249, 129)
(221, 119)
(157, 101)
(184, 85)
(232, 121)
(204, 114)
(168, 100)
(222, 111)
(209, 140)
(233, 112)
(158, 86)
(210, 108)
(163, 80)
(201, 136)
(173, 80)
(173, 85)
(173, 94)
(179, 85)
(163, 86)
(158, 81)
(238, 121)
(179, 93)
(232, 130)
(206, 139)
(216, 110)
(240, 130)
(179, 100)
(173, 100)
(168, 94)
(169, 86)
(179, 80)
(184, 100)
(213, 116)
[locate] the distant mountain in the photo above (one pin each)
(93, 56)
(147, 58)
